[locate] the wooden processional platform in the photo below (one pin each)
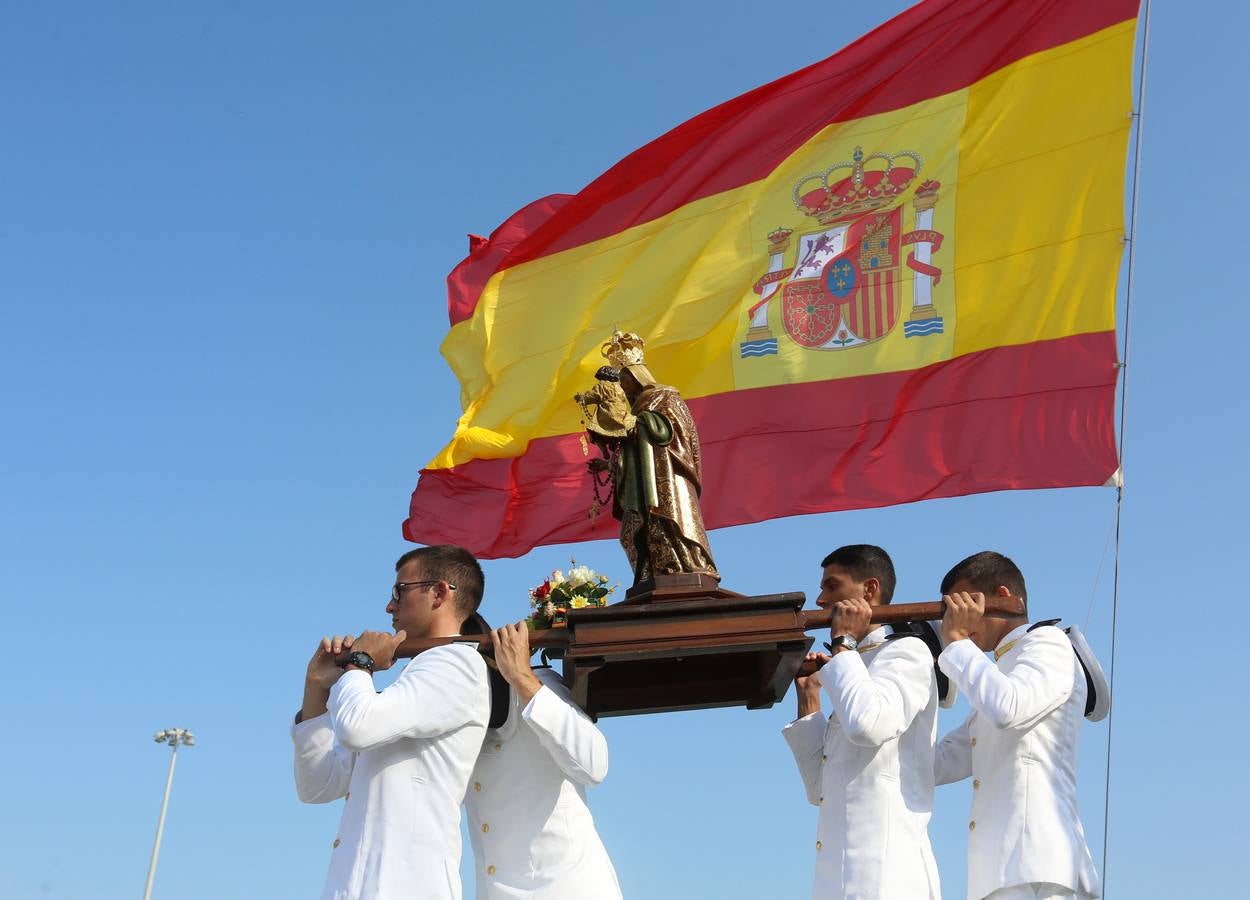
(683, 642)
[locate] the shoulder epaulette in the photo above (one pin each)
(500, 697)
(1097, 690)
(1091, 684)
(925, 632)
(901, 634)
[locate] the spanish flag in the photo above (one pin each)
(887, 277)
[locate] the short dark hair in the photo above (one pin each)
(985, 571)
(607, 373)
(455, 565)
(865, 561)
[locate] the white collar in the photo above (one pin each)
(873, 639)
(1011, 638)
(877, 635)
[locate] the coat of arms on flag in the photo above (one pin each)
(842, 285)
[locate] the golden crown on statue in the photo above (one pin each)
(861, 189)
(624, 349)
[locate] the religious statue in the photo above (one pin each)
(652, 461)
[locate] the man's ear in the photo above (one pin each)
(1002, 591)
(441, 595)
(872, 591)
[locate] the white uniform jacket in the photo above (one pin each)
(869, 769)
(401, 758)
(532, 832)
(1019, 746)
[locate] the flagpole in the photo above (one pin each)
(1131, 239)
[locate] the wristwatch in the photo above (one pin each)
(843, 640)
(360, 659)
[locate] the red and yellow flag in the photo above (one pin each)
(887, 277)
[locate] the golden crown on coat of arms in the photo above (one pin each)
(624, 349)
(861, 189)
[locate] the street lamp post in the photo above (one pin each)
(174, 736)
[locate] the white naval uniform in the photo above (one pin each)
(401, 758)
(869, 769)
(1019, 745)
(532, 832)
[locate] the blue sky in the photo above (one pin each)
(224, 230)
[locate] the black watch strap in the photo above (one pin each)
(360, 659)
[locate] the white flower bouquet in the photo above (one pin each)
(578, 588)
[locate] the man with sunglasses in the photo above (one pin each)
(401, 758)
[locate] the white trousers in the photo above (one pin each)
(1039, 890)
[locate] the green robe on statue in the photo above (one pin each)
(658, 481)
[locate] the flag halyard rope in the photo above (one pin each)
(1131, 240)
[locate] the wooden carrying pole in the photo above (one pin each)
(898, 613)
(894, 614)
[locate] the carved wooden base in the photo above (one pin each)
(664, 588)
(684, 643)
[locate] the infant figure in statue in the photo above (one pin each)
(605, 408)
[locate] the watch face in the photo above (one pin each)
(362, 659)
